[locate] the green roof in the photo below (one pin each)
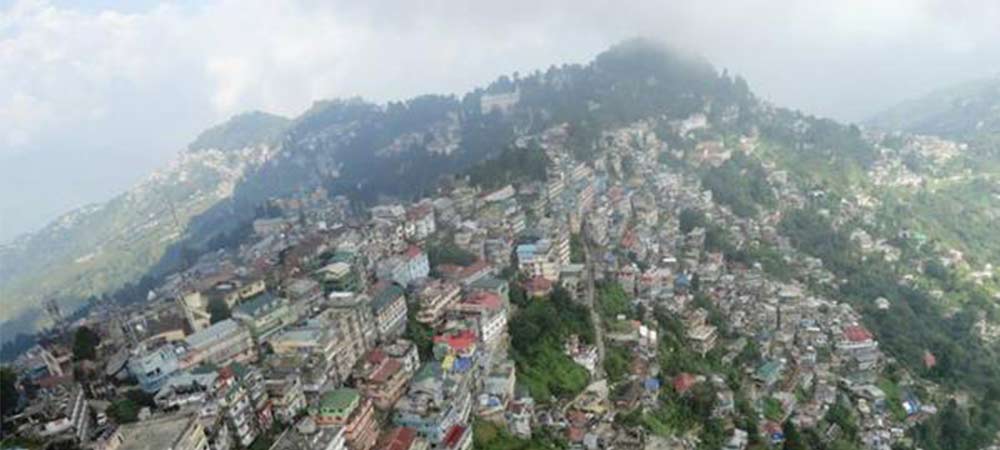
(259, 305)
(342, 256)
(241, 371)
(769, 371)
(339, 399)
(488, 282)
(428, 370)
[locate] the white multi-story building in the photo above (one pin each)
(219, 344)
(539, 259)
(489, 311)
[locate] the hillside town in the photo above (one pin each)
(403, 325)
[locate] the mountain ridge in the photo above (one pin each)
(959, 111)
(347, 146)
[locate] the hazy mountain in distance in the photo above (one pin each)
(243, 130)
(959, 112)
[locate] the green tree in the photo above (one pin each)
(793, 439)
(218, 310)
(538, 330)
(124, 410)
(612, 300)
(85, 343)
(420, 334)
(8, 391)
(576, 253)
(616, 364)
(691, 219)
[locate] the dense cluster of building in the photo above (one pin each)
(331, 329)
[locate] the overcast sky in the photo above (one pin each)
(93, 96)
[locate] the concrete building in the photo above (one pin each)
(436, 401)
(382, 378)
(220, 344)
(307, 435)
(153, 366)
(434, 298)
(389, 309)
(177, 432)
(346, 408)
(859, 349)
(187, 388)
(353, 314)
(401, 438)
(68, 415)
(490, 314)
(287, 396)
(39, 363)
(405, 268)
(243, 398)
(420, 221)
(539, 259)
(503, 102)
(264, 315)
(701, 335)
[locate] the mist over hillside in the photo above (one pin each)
(802, 274)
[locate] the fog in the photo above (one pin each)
(94, 98)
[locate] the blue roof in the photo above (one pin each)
(462, 364)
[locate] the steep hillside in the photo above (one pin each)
(957, 164)
(905, 218)
(100, 247)
(351, 147)
(244, 130)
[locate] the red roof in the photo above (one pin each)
(484, 299)
(457, 273)
(771, 427)
(459, 341)
(537, 284)
(474, 268)
(629, 240)
(929, 360)
(386, 370)
(856, 333)
(398, 439)
(454, 434)
(376, 356)
(684, 382)
(575, 434)
(226, 373)
(413, 252)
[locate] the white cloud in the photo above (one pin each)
(137, 85)
(60, 64)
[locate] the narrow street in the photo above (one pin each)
(591, 305)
